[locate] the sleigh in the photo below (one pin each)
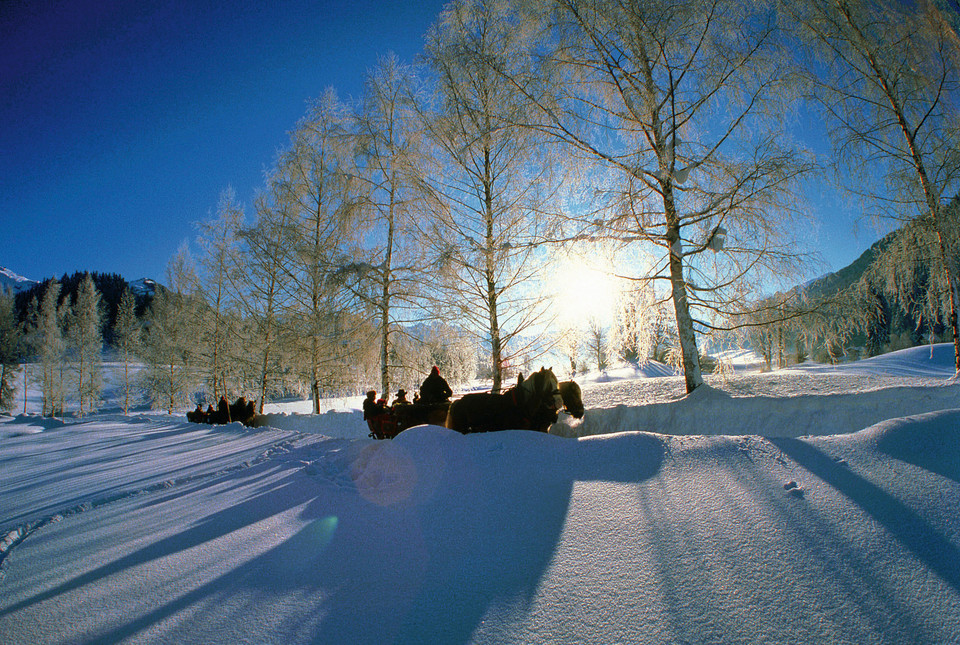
(395, 420)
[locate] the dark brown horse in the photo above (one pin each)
(572, 398)
(532, 404)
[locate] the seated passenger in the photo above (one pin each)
(435, 388)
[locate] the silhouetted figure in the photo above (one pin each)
(435, 388)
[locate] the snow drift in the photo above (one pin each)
(151, 530)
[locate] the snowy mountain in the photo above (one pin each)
(143, 287)
(10, 281)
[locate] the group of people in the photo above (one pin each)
(241, 410)
(433, 390)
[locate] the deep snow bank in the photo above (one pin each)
(709, 411)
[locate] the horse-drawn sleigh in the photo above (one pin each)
(533, 403)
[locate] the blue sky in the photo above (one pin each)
(123, 121)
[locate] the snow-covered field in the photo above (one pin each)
(712, 518)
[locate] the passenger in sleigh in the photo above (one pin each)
(435, 389)
(375, 413)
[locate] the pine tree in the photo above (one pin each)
(28, 341)
(9, 351)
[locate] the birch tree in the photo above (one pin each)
(891, 92)
(494, 179)
(395, 198)
(674, 103)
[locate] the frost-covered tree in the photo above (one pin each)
(494, 178)
(169, 347)
(128, 338)
(316, 179)
(10, 346)
(50, 349)
(598, 337)
(218, 262)
(394, 198)
(674, 103)
(890, 88)
(85, 344)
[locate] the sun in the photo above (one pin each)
(585, 292)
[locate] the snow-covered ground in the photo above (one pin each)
(658, 518)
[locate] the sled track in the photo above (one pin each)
(16, 536)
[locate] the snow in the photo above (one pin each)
(811, 505)
(12, 282)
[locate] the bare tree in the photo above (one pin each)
(395, 198)
(50, 346)
(493, 179)
(128, 336)
(263, 294)
(29, 342)
(219, 250)
(316, 177)
(170, 347)
(85, 344)
(675, 100)
(892, 93)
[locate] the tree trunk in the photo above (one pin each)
(496, 349)
(690, 355)
(315, 376)
(385, 299)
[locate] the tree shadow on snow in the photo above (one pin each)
(901, 521)
(408, 541)
(930, 441)
(456, 526)
(278, 498)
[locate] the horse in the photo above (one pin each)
(532, 404)
(572, 398)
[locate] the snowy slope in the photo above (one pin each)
(705, 531)
(10, 281)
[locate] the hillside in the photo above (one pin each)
(832, 283)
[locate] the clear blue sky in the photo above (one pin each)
(122, 121)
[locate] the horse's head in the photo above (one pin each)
(542, 395)
(572, 398)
